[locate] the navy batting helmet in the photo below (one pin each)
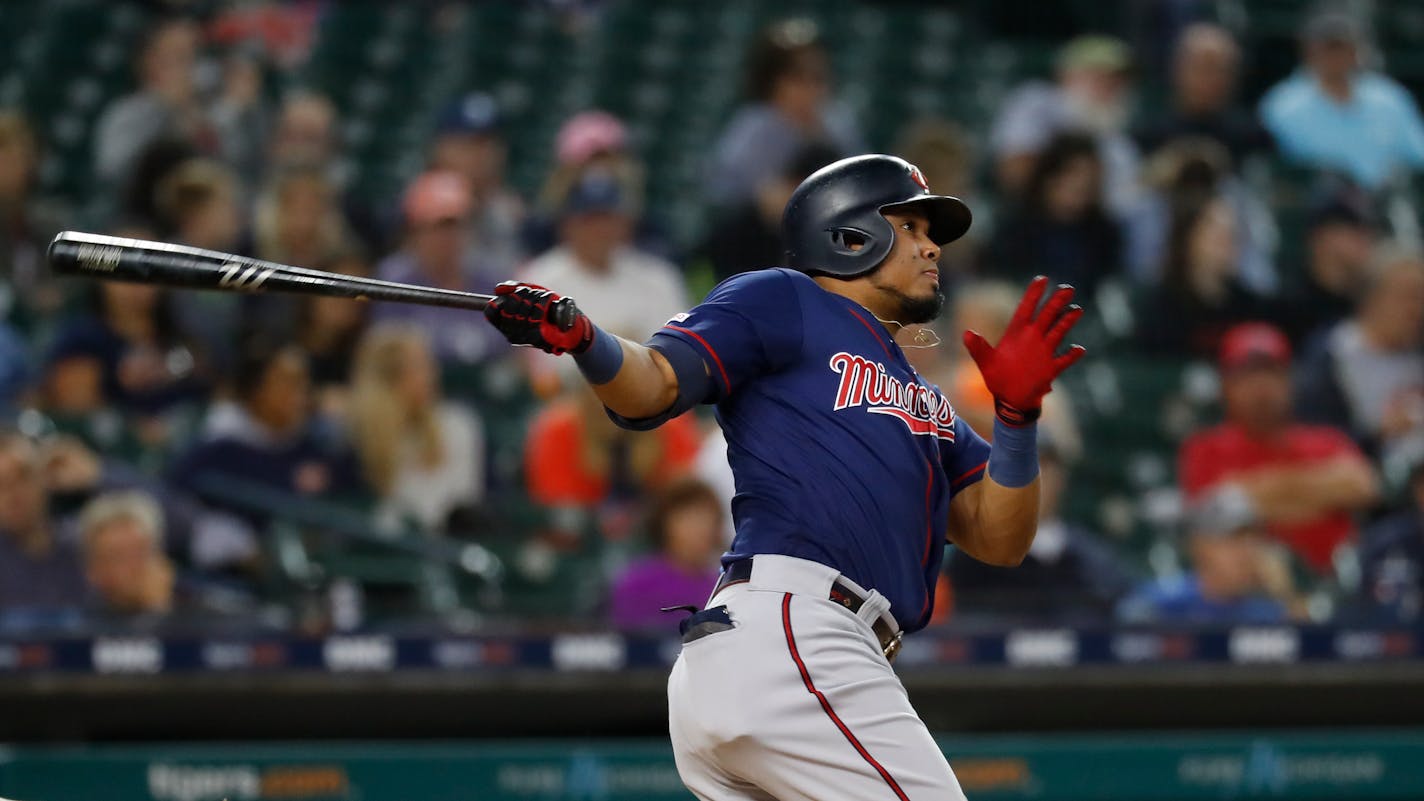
(843, 204)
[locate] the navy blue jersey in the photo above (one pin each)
(842, 454)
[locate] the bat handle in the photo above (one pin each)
(563, 313)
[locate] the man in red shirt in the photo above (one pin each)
(1304, 481)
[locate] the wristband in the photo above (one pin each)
(1014, 416)
(603, 358)
(1013, 457)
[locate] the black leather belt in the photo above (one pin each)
(740, 572)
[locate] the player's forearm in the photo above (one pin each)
(994, 520)
(1008, 519)
(644, 384)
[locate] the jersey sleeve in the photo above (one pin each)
(749, 325)
(964, 459)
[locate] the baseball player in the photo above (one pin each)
(851, 474)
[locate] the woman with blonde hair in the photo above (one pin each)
(423, 455)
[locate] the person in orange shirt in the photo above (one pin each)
(576, 457)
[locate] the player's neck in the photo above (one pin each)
(871, 299)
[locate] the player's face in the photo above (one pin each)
(909, 276)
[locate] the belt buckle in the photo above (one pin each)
(893, 647)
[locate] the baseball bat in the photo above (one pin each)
(120, 259)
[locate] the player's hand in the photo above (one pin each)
(528, 314)
(1020, 370)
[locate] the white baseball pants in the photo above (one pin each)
(796, 702)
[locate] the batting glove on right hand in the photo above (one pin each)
(1020, 370)
(529, 314)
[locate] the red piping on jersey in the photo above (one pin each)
(826, 704)
(872, 332)
(726, 382)
(967, 473)
(929, 538)
(929, 524)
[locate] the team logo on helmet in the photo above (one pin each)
(919, 178)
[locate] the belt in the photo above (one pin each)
(740, 572)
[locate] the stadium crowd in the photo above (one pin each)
(174, 458)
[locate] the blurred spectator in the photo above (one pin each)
(39, 567)
(1391, 555)
(1366, 373)
(1340, 242)
(1302, 483)
(1201, 293)
(1092, 96)
(629, 292)
(267, 438)
(1205, 68)
(328, 329)
(1069, 575)
(1335, 115)
(594, 142)
(685, 527)
(132, 582)
(946, 156)
(298, 219)
(15, 369)
(575, 457)
(1237, 576)
(594, 139)
(198, 205)
(469, 140)
(241, 118)
(1190, 170)
(131, 351)
(129, 575)
(747, 236)
(787, 105)
(1059, 227)
(305, 135)
(28, 292)
(439, 251)
(165, 106)
(422, 455)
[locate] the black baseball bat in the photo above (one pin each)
(120, 259)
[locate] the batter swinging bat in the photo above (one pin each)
(119, 259)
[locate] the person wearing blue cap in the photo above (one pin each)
(634, 291)
(469, 140)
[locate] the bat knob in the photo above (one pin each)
(563, 313)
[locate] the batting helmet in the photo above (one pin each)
(843, 204)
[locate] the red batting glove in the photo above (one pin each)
(1021, 369)
(529, 314)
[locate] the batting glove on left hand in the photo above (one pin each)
(529, 314)
(1021, 369)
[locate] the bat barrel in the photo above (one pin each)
(120, 259)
